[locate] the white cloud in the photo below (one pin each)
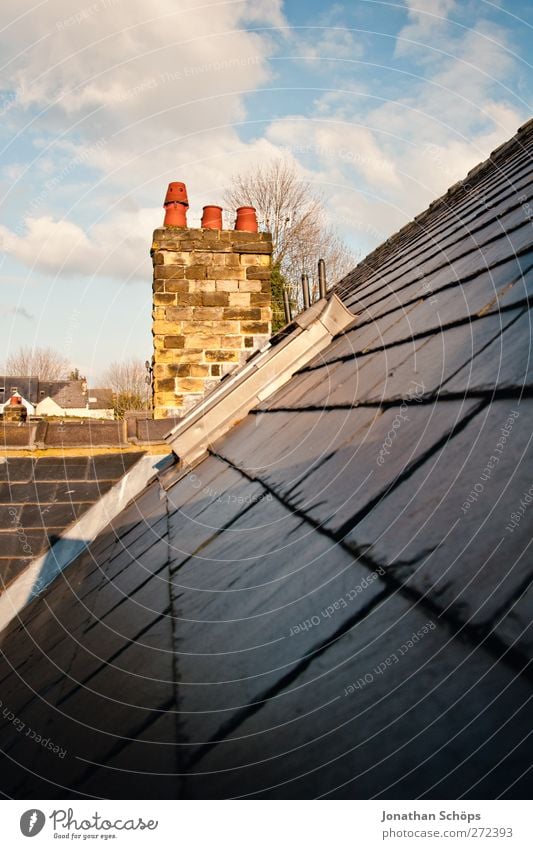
(338, 147)
(115, 247)
(427, 19)
(140, 93)
(146, 93)
(328, 42)
(382, 163)
(153, 80)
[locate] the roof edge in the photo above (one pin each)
(463, 186)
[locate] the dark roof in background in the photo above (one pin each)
(337, 600)
(41, 497)
(68, 394)
(26, 386)
(103, 398)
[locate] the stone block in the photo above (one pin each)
(164, 327)
(227, 273)
(256, 259)
(162, 370)
(243, 313)
(207, 258)
(190, 299)
(199, 370)
(167, 384)
(177, 286)
(254, 327)
(177, 355)
(162, 299)
(190, 384)
(195, 341)
(234, 341)
(215, 299)
(209, 313)
(196, 272)
(170, 398)
(175, 369)
(202, 286)
(256, 272)
(179, 313)
(239, 299)
(260, 299)
(218, 327)
(253, 247)
(175, 257)
(171, 272)
(249, 286)
(175, 341)
(227, 286)
(222, 356)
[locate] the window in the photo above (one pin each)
(13, 389)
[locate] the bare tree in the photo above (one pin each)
(44, 363)
(289, 209)
(131, 391)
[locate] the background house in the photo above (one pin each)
(26, 387)
(58, 397)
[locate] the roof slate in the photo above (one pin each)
(336, 601)
(41, 497)
(68, 394)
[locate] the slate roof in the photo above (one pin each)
(103, 398)
(68, 394)
(336, 602)
(41, 497)
(25, 386)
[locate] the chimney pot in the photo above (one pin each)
(177, 193)
(212, 218)
(176, 205)
(246, 219)
(175, 215)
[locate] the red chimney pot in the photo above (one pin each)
(177, 193)
(212, 218)
(246, 219)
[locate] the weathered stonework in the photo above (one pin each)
(211, 310)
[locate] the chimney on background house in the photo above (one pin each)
(211, 302)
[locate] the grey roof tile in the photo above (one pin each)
(451, 542)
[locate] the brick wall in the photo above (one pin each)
(211, 310)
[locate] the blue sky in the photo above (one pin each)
(381, 105)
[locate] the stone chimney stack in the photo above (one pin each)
(211, 310)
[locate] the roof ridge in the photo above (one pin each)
(463, 186)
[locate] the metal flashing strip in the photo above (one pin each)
(266, 371)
